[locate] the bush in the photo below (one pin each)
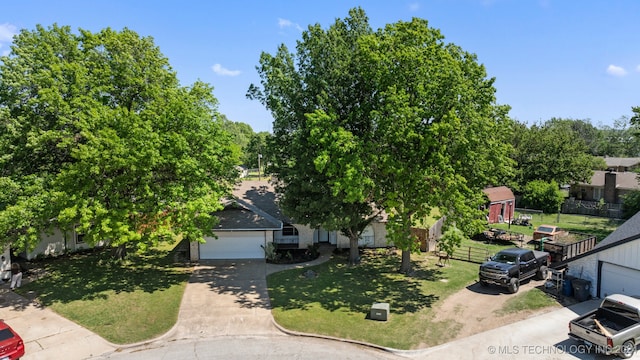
(542, 195)
(450, 240)
(630, 204)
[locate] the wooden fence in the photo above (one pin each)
(471, 254)
(428, 239)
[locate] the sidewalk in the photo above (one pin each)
(46, 334)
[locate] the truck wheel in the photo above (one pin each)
(542, 273)
(514, 285)
(627, 349)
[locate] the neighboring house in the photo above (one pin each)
(603, 195)
(607, 185)
(58, 243)
(254, 219)
(613, 265)
(622, 164)
(501, 204)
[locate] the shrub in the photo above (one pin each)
(450, 240)
(270, 252)
(546, 196)
(630, 204)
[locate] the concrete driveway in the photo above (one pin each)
(225, 298)
(540, 337)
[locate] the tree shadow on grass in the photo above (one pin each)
(92, 274)
(243, 279)
(337, 286)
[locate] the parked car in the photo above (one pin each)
(612, 328)
(11, 344)
(509, 267)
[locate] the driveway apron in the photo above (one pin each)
(226, 298)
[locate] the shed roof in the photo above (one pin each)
(499, 193)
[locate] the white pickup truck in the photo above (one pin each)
(613, 328)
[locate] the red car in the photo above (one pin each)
(11, 344)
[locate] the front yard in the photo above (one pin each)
(123, 302)
(337, 300)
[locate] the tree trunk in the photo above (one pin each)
(120, 252)
(354, 252)
(405, 265)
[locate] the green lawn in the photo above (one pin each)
(123, 302)
(531, 300)
(338, 300)
(598, 226)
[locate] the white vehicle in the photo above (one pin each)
(5, 265)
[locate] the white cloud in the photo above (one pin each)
(7, 31)
(218, 69)
(284, 23)
(616, 70)
(414, 7)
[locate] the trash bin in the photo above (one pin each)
(581, 289)
(567, 289)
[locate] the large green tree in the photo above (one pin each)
(321, 146)
(441, 137)
(394, 119)
(97, 135)
(255, 152)
(552, 151)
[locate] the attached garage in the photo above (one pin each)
(613, 265)
(234, 245)
(616, 279)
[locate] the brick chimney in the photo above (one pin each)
(610, 195)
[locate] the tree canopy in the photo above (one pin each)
(552, 151)
(97, 135)
(395, 119)
(319, 149)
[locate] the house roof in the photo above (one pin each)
(625, 162)
(499, 193)
(624, 180)
(262, 195)
(239, 216)
(628, 231)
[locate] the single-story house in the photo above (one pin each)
(613, 265)
(247, 224)
(253, 219)
(57, 243)
(607, 185)
(622, 164)
(502, 204)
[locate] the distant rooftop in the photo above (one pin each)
(624, 162)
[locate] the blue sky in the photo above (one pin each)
(576, 59)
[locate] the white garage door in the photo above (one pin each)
(234, 245)
(616, 279)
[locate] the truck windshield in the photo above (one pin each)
(505, 258)
(621, 309)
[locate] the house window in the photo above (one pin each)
(289, 230)
(79, 238)
(597, 194)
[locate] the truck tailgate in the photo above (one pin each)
(587, 333)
